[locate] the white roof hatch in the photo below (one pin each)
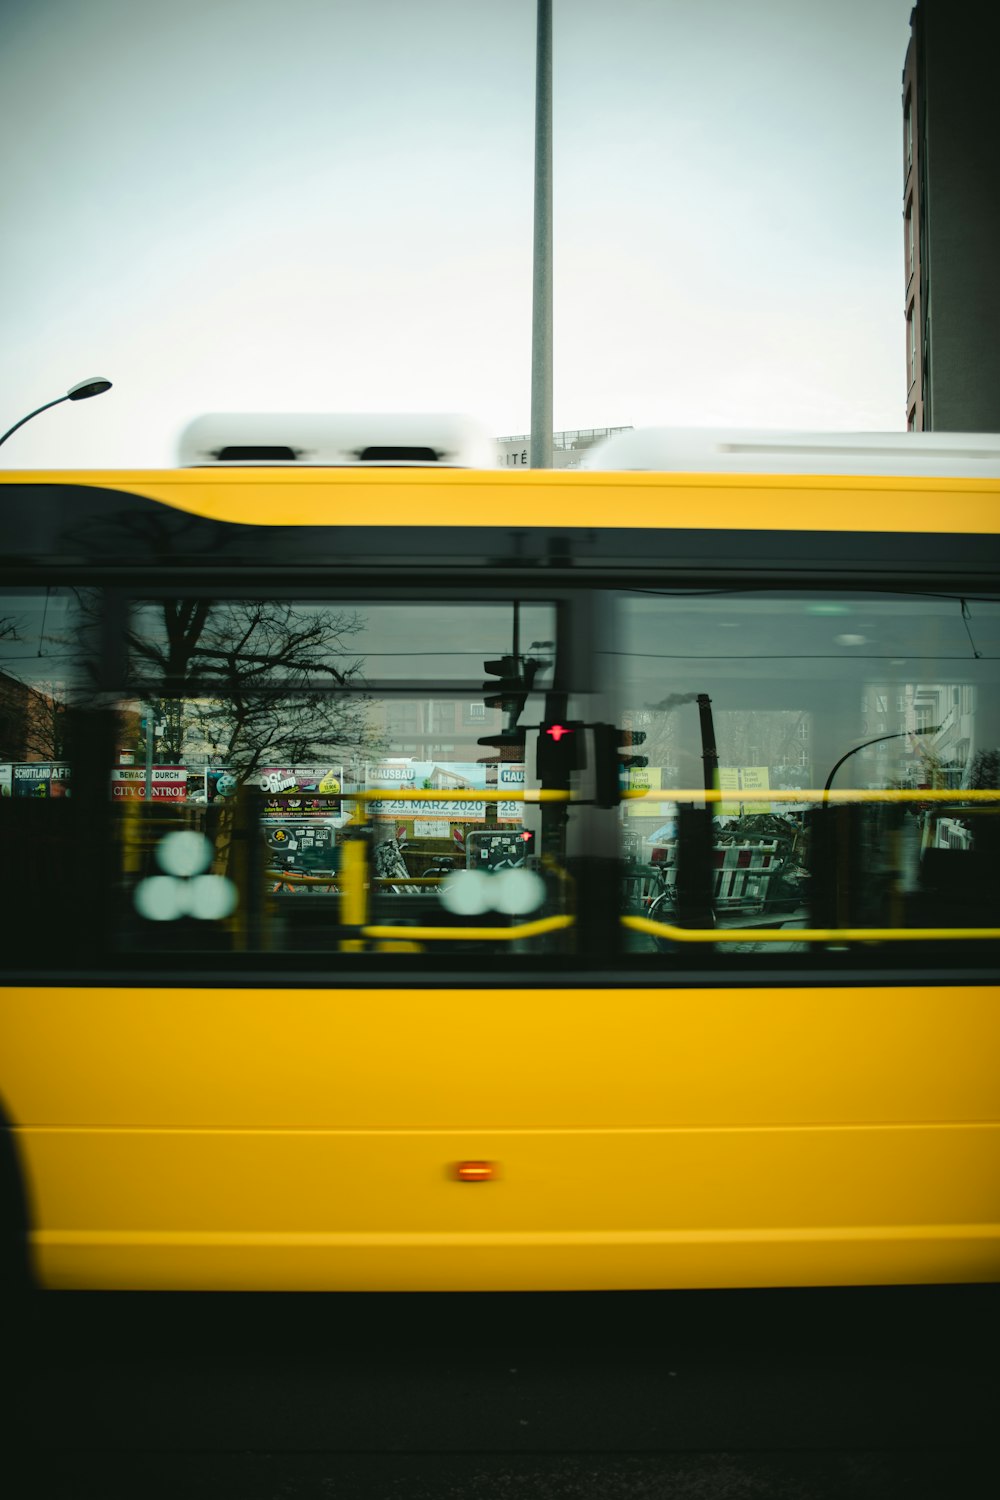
(325, 439)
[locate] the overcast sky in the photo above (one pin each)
(238, 205)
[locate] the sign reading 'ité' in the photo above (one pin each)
(167, 783)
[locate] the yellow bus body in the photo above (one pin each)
(307, 1138)
(721, 1135)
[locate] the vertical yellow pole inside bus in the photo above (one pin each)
(354, 878)
(130, 833)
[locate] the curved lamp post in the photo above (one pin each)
(95, 386)
(902, 734)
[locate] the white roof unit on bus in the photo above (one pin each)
(325, 439)
(944, 455)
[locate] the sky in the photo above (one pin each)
(326, 205)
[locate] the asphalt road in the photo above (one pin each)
(795, 1395)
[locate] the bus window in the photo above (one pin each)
(781, 704)
(48, 673)
(356, 786)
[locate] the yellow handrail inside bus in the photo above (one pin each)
(291, 877)
(693, 934)
(680, 794)
(353, 876)
(474, 934)
(847, 794)
(805, 934)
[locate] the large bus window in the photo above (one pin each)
(836, 735)
(46, 669)
(47, 679)
(344, 781)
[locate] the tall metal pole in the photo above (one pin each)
(541, 286)
(709, 750)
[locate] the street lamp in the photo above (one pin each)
(902, 734)
(95, 386)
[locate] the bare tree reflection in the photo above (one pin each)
(262, 682)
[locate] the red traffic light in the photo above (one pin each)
(560, 750)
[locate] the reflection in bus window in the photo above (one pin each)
(770, 699)
(47, 680)
(355, 786)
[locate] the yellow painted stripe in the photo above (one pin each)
(571, 1132)
(65, 1238)
(390, 498)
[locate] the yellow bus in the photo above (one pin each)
(425, 877)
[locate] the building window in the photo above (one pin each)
(403, 718)
(911, 346)
(908, 130)
(440, 718)
(910, 244)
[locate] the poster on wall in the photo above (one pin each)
(300, 791)
(211, 784)
(41, 779)
(743, 779)
(427, 776)
(430, 828)
(167, 783)
(510, 777)
(648, 779)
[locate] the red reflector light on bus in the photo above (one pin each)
(475, 1171)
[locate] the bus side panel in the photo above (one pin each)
(643, 1137)
(318, 1210)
